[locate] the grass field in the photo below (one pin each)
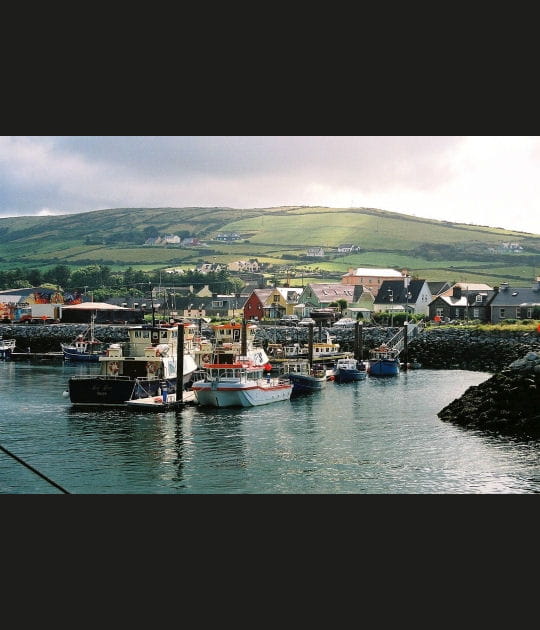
(434, 250)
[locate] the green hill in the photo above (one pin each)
(436, 250)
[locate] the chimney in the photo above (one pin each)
(536, 287)
(504, 286)
(456, 293)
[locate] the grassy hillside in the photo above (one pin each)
(436, 250)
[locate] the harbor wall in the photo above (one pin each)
(435, 348)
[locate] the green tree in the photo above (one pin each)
(58, 275)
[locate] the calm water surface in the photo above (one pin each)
(378, 436)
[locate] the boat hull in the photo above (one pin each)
(383, 367)
(81, 357)
(349, 376)
(303, 383)
(235, 395)
(112, 391)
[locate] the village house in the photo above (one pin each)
(315, 252)
(347, 249)
(405, 295)
(227, 236)
(255, 302)
(321, 295)
(190, 242)
(463, 301)
(371, 278)
(168, 239)
(248, 266)
(516, 302)
(281, 301)
(206, 267)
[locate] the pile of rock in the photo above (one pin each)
(507, 402)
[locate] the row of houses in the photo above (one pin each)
(361, 292)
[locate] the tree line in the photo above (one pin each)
(104, 283)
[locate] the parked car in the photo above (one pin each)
(289, 320)
(306, 321)
(345, 321)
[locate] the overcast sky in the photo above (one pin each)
(483, 180)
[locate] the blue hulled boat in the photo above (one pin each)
(383, 361)
(348, 370)
(303, 377)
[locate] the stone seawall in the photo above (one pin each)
(436, 348)
(471, 349)
(47, 338)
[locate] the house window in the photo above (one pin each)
(457, 313)
(439, 312)
(276, 298)
(217, 303)
(479, 298)
(529, 312)
(476, 313)
(501, 313)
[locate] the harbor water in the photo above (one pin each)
(377, 436)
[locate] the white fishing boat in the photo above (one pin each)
(237, 373)
(239, 384)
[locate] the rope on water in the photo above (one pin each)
(53, 483)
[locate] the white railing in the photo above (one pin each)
(397, 342)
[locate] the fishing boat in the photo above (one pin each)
(325, 350)
(384, 361)
(237, 372)
(284, 352)
(6, 347)
(303, 376)
(85, 346)
(347, 370)
(239, 384)
(140, 368)
(234, 339)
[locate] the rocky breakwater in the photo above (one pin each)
(470, 348)
(508, 402)
(47, 338)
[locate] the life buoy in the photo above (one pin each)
(113, 367)
(206, 358)
(151, 367)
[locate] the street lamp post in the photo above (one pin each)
(391, 299)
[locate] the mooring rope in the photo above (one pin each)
(53, 483)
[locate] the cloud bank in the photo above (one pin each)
(486, 180)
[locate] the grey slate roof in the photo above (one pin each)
(514, 296)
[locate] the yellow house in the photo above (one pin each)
(281, 301)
